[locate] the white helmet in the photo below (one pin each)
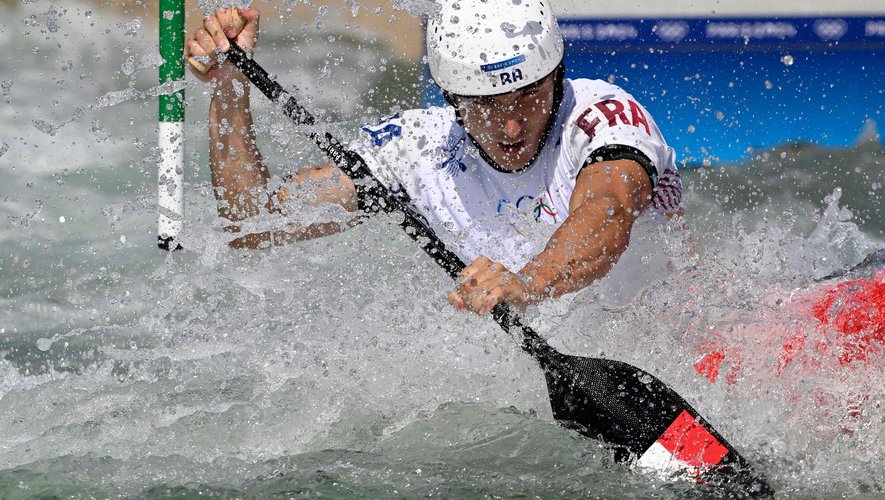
(488, 47)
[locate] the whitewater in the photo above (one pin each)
(336, 366)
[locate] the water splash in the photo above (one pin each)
(121, 365)
(6, 86)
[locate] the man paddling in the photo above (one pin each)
(646, 423)
(519, 148)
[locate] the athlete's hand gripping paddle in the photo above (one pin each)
(203, 63)
(643, 420)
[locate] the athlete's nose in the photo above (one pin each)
(513, 128)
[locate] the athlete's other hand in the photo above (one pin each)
(211, 39)
(485, 283)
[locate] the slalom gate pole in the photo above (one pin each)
(170, 182)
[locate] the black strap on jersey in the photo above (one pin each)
(622, 152)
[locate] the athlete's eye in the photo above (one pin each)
(476, 102)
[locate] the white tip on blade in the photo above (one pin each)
(171, 179)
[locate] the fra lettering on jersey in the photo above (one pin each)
(613, 111)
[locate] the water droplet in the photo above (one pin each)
(100, 134)
(787, 60)
(44, 344)
(62, 219)
(45, 127)
(6, 85)
(128, 66)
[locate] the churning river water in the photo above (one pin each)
(335, 367)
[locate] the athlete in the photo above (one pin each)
(533, 179)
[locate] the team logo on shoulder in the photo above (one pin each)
(386, 130)
(454, 148)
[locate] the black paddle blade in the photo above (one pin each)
(644, 421)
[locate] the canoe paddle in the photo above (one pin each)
(647, 424)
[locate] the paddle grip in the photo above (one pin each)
(238, 22)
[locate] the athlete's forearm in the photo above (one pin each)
(239, 175)
(312, 187)
(294, 233)
(582, 250)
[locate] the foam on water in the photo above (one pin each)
(336, 366)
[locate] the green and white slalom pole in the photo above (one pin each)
(171, 138)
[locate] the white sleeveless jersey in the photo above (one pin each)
(480, 211)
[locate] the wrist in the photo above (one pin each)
(536, 284)
(231, 87)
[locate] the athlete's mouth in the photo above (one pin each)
(511, 148)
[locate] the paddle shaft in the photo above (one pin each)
(616, 402)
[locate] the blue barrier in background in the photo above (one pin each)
(722, 88)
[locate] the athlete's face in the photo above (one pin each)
(510, 127)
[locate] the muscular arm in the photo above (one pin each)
(607, 199)
(239, 175)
